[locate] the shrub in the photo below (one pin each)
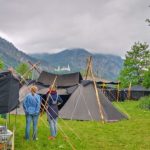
(145, 103)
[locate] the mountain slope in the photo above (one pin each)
(12, 56)
(105, 66)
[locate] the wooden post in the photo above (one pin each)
(97, 95)
(129, 92)
(118, 87)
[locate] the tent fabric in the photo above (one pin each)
(82, 105)
(9, 92)
(64, 80)
(70, 90)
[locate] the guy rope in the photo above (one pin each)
(50, 88)
(67, 138)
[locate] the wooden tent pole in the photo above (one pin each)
(88, 66)
(104, 85)
(97, 95)
(35, 67)
(50, 87)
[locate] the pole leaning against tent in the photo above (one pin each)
(104, 87)
(33, 67)
(44, 107)
(96, 92)
(68, 140)
(88, 67)
(55, 112)
(50, 87)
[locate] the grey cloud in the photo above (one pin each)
(98, 25)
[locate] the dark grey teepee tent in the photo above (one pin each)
(82, 105)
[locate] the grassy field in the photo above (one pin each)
(132, 134)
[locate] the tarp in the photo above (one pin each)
(82, 105)
(64, 80)
(9, 92)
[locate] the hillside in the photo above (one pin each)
(105, 66)
(12, 56)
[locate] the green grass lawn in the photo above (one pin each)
(132, 134)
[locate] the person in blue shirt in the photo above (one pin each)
(31, 105)
(53, 101)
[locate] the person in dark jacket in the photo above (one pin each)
(53, 101)
(31, 105)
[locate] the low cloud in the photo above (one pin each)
(99, 26)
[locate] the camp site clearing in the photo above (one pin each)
(132, 134)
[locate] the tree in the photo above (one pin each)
(23, 69)
(136, 62)
(146, 81)
(1, 65)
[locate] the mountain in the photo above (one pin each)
(12, 56)
(106, 66)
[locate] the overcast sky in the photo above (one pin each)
(101, 26)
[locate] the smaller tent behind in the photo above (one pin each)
(63, 80)
(83, 105)
(9, 92)
(136, 92)
(66, 84)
